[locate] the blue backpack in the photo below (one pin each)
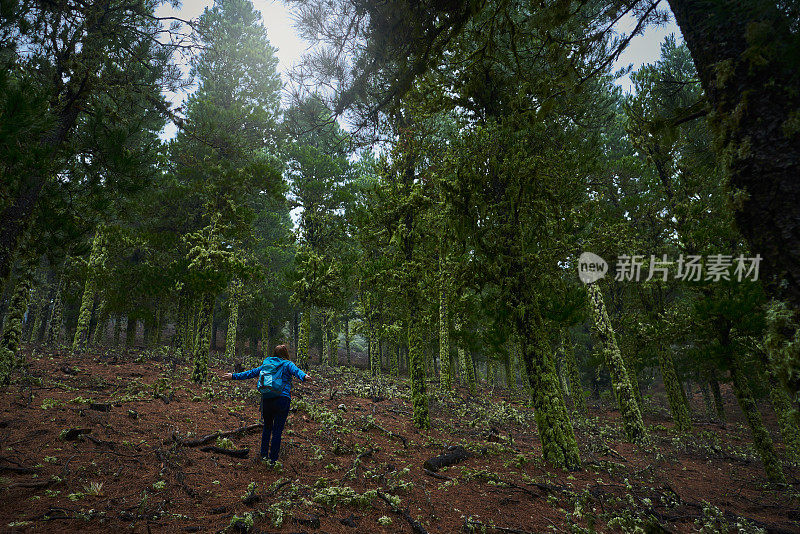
(270, 379)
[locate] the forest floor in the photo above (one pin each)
(101, 442)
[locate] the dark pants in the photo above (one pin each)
(274, 410)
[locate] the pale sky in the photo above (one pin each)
(282, 35)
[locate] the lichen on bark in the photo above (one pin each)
(233, 320)
(97, 258)
(302, 342)
(620, 382)
(762, 441)
(556, 434)
(12, 330)
(416, 368)
(677, 403)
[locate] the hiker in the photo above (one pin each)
(275, 385)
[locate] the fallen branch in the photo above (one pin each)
(211, 437)
(435, 475)
(242, 453)
(371, 424)
(17, 469)
(453, 456)
(415, 526)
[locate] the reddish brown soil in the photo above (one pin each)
(47, 479)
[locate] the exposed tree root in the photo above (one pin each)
(211, 437)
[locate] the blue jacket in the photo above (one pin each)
(289, 369)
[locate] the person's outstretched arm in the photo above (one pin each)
(243, 375)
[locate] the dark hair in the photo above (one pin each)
(281, 352)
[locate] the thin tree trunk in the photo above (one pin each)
(233, 321)
(130, 332)
(677, 405)
(304, 331)
(202, 345)
(574, 375)
(12, 330)
(96, 261)
(623, 391)
(347, 339)
(718, 404)
(762, 441)
(416, 367)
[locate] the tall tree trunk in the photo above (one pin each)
(762, 441)
(202, 344)
(266, 345)
(302, 344)
(130, 331)
(623, 391)
(323, 350)
(347, 339)
(54, 323)
(97, 258)
(38, 303)
(744, 55)
(717, 394)
(233, 321)
(707, 400)
(394, 358)
(445, 378)
(677, 404)
(559, 447)
(99, 334)
(787, 415)
(416, 368)
(12, 330)
(374, 355)
(333, 341)
(117, 330)
(574, 375)
(465, 364)
(508, 366)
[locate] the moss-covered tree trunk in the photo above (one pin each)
(508, 366)
(333, 341)
(559, 447)
(96, 261)
(38, 304)
(54, 323)
(302, 341)
(15, 315)
(677, 404)
(416, 369)
(445, 378)
(233, 320)
(266, 344)
(202, 344)
(787, 415)
(620, 382)
(130, 331)
(578, 394)
(394, 359)
(707, 400)
(347, 339)
(718, 404)
(102, 321)
(117, 336)
(762, 441)
(523, 367)
(374, 354)
(465, 364)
